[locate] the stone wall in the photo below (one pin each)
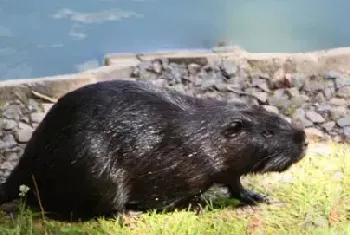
(312, 86)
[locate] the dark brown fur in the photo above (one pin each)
(120, 144)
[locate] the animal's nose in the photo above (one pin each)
(306, 142)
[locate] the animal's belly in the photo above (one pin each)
(165, 192)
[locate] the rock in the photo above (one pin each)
(193, 69)
(260, 95)
(159, 82)
(298, 101)
(230, 67)
(2, 145)
(278, 79)
(323, 108)
(6, 166)
(179, 88)
(337, 112)
(165, 62)
(342, 82)
(328, 126)
(148, 76)
(235, 100)
(345, 121)
(313, 133)
(24, 133)
(233, 88)
(208, 84)
(198, 82)
(232, 97)
(175, 73)
(282, 103)
(157, 66)
(314, 86)
(347, 131)
(332, 75)
(271, 108)
(344, 92)
(209, 69)
(296, 80)
(135, 72)
(12, 157)
(265, 76)
(329, 89)
(280, 94)
(221, 87)
(8, 124)
(237, 83)
(328, 92)
(314, 117)
(320, 98)
(292, 92)
(38, 117)
(144, 66)
(210, 95)
(260, 83)
(300, 114)
(186, 81)
(190, 92)
(9, 141)
(249, 100)
(190, 80)
(338, 102)
(33, 106)
(12, 112)
(210, 76)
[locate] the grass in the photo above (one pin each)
(313, 197)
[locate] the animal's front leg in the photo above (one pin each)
(245, 196)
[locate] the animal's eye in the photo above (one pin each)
(267, 134)
(233, 128)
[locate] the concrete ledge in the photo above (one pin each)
(120, 66)
(53, 87)
(313, 62)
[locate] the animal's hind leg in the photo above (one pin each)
(9, 190)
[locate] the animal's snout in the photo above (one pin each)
(300, 137)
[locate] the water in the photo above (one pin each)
(47, 37)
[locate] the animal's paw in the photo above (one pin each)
(249, 197)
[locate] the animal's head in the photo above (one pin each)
(254, 140)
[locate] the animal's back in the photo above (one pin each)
(119, 144)
(74, 145)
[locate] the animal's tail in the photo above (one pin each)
(10, 190)
(3, 194)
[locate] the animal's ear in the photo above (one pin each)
(232, 128)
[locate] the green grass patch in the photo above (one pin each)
(312, 197)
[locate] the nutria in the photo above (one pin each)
(121, 144)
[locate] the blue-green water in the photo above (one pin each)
(47, 37)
